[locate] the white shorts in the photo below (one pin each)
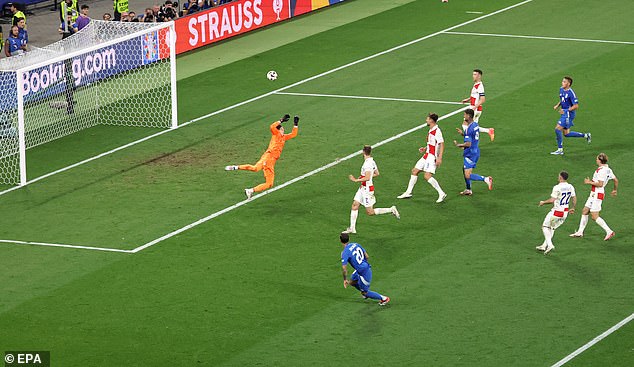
(553, 221)
(427, 164)
(476, 115)
(593, 202)
(365, 197)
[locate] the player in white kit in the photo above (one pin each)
(476, 100)
(429, 161)
(600, 179)
(560, 198)
(365, 193)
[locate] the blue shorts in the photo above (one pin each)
(566, 120)
(470, 162)
(363, 280)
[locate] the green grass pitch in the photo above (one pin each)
(261, 284)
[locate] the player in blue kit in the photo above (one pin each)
(567, 106)
(471, 153)
(357, 257)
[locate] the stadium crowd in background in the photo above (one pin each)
(73, 18)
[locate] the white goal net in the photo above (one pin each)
(112, 73)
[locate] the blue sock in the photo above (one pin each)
(476, 177)
(574, 134)
(374, 295)
(560, 138)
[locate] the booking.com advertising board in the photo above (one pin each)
(92, 66)
(240, 16)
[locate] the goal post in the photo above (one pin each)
(109, 73)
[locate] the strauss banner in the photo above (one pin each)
(237, 17)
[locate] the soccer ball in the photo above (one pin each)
(445, 1)
(271, 75)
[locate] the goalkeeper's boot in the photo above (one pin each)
(248, 193)
(231, 168)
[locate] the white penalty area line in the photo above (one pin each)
(539, 37)
(285, 184)
(30, 243)
(266, 95)
(593, 341)
(369, 98)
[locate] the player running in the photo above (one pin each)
(476, 100)
(600, 179)
(430, 160)
(560, 198)
(568, 105)
(357, 257)
(365, 193)
(270, 156)
(471, 153)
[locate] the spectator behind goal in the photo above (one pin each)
(83, 19)
(17, 14)
(13, 45)
(68, 28)
(22, 33)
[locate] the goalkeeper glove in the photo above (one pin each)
(296, 120)
(285, 118)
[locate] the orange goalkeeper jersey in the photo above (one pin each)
(278, 140)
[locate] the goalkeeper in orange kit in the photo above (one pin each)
(272, 154)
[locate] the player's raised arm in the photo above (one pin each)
(295, 129)
(275, 126)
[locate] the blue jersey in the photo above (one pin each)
(23, 35)
(15, 45)
(567, 98)
(472, 135)
(354, 254)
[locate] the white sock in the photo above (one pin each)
(379, 211)
(484, 130)
(432, 181)
(583, 223)
(604, 225)
(548, 235)
(412, 182)
(353, 218)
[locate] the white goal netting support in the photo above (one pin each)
(109, 73)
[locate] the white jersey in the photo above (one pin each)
(476, 93)
(562, 193)
(368, 165)
(605, 174)
(434, 137)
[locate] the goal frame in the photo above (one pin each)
(20, 72)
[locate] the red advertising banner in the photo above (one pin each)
(226, 21)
